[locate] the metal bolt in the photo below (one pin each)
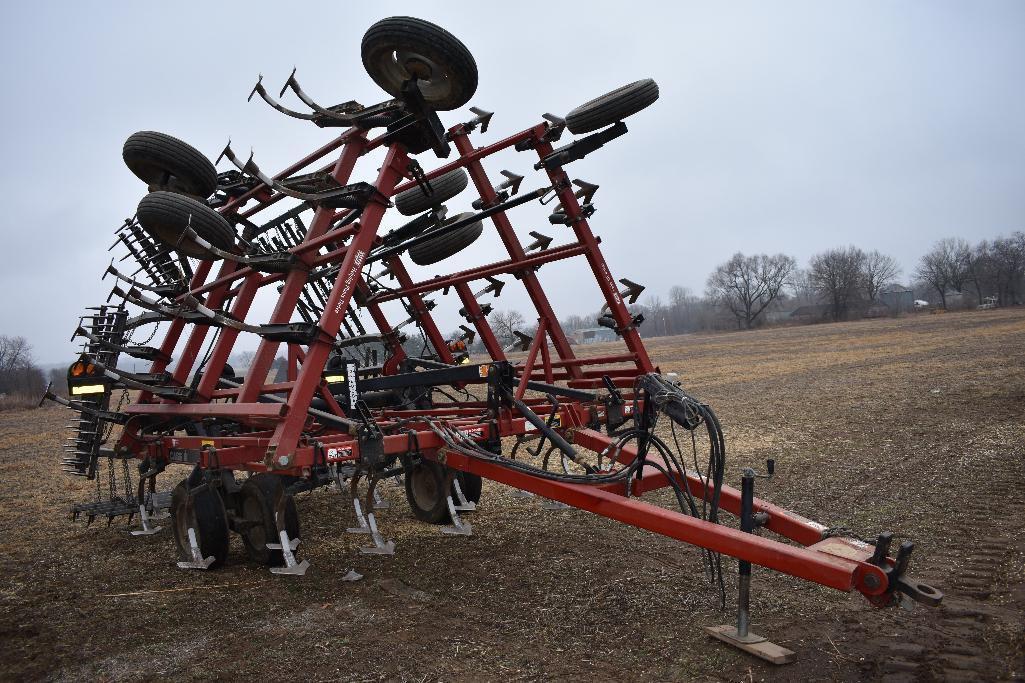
(283, 460)
(871, 581)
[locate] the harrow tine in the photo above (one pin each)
(250, 168)
(458, 527)
(349, 107)
(259, 89)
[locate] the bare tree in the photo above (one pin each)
(878, 271)
(1008, 256)
(800, 284)
(947, 266)
(746, 285)
(504, 323)
(18, 373)
(836, 276)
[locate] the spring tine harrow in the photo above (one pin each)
(335, 389)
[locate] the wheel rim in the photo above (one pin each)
(256, 534)
(424, 486)
(395, 67)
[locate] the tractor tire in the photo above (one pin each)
(203, 510)
(166, 163)
(397, 49)
(426, 492)
(414, 201)
(165, 215)
(259, 498)
(612, 106)
(449, 244)
(471, 484)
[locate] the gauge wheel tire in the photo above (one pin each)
(258, 499)
(426, 493)
(449, 244)
(204, 513)
(165, 215)
(397, 49)
(471, 484)
(166, 163)
(414, 201)
(612, 106)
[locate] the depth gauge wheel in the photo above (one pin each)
(449, 244)
(427, 493)
(414, 201)
(165, 215)
(612, 106)
(203, 511)
(164, 162)
(262, 494)
(398, 49)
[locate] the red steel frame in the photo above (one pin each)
(278, 442)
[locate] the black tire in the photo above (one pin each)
(449, 244)
(166, 163)
(471, 484)
(426, 492)
(414, 201)
(165, 215)
(260, 496)
(399, 48)
(612, 106)
(205, 513)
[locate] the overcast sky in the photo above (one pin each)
(782, 126)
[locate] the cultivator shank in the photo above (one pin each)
(355, 392)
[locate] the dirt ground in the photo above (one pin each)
(915, 425)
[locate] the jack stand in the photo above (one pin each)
(459, 527)
(146, 529)
(381, 547)
(363, 527)
(379, 502)
(519, 493)
(287, 548)
(554, 505)
(464, 505)
(397, 481)
(197, 561)
(740, 636)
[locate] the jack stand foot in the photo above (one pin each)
(753, 644)
(197, 561)
(459, 527)
(379, 502)
(363, 527)
(146, 529)
(381, 547)
(464, 505)
(554, 505)
(352, 575)
(287, 548)
(518, 493)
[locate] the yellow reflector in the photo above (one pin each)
(334, 379)
(88, 389)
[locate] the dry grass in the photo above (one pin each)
(914, 425)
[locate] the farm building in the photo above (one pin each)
(898, 300)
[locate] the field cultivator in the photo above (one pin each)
(351, 403)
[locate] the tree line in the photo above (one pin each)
(842, 283)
